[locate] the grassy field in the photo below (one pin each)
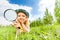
(46, 32)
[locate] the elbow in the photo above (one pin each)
(28, 30)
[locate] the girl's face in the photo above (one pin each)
(22, 17)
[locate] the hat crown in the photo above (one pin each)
(23, 11)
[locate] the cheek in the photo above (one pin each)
(25, 19)
(18, 18)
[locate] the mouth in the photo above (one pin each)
(21, 20)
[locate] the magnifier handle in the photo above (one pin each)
(18, 27)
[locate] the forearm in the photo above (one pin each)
(26, 28)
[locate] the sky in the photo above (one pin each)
(36, 8)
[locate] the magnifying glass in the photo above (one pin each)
(10, 15)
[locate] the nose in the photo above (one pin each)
(21, 17)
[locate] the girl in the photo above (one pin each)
(22, 22)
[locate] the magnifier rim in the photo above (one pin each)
(5, 16)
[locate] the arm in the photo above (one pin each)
(25, 28)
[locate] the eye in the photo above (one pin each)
(18, 15)
(23, 16)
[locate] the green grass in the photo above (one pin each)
(46, 32)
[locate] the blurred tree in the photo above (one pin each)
(57, 10)
(48, 17)
(36, 23)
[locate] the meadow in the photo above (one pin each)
(42, 32)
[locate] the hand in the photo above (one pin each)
(16, 24)
(24, 21)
